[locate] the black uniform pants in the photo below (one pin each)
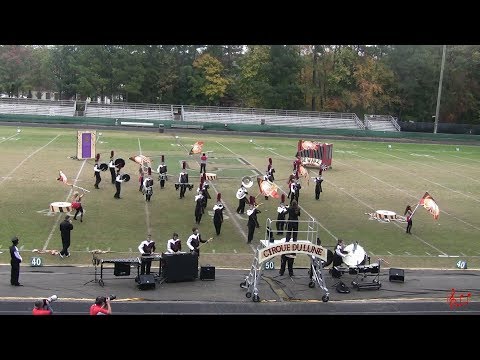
(145, 266)
(118, 186)
(285, 260)
(98, 179)
(15, 272)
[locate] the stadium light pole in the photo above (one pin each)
(439, 90)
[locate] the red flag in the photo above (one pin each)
(430, 205)
(268, 188)
(197, 148)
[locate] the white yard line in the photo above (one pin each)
(368, 206)
(410, 173)
(8, 138)
(147, 210)
(306, 212)
(28, 157)
(229, 211)
(460, 157)
(55, 225)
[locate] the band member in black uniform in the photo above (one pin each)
(287, 259)
(242, 199)
(408, 216)
(141, 176)
(183, 180)
(65, 229)
(194, 240)
(270, 171)
(295, 190)
(318, 185)
(292, 223)
(218, 214)
(146, 248)
(205, 186)
(291, 179)
(162, 172)
(112, 167)
(174, 245)
(252, 223)
(97, 170)
(199, 200)
(118, 184)
(339, 253)
(148, 185)
(15, 260)
(282, 210)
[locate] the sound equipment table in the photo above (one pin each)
(122, 266)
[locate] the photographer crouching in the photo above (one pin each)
(42, 307)
(102, 305)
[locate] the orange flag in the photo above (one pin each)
(430, 205)
(197, 148)
(268, 188)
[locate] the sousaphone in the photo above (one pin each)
(247, 182)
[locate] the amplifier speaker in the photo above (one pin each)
(180, 267)
(396, 275)
(207, 272)
(146, 282)
(121, 269)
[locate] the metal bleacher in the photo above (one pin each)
(381, 123)
(123, 110)
(271, 117)
(37, 107)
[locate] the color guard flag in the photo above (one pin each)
(142, 160)
(197, 148)
(430, 205)
(268, 188)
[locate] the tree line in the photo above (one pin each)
(397, 80)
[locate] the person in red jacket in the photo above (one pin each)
(101, 306)
(42, 307)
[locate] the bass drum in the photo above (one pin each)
(329, 258)
(103, 167)
(126, 177)
(119, 163)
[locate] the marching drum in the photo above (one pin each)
(126, 177)
(210, 176)
(119, 163)
(61, 207)
(103, 167)
(356, 255)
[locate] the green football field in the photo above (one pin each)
(365, 177)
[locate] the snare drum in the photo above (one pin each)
(210, 176)
(356, 255)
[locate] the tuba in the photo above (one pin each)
(241, 193)
(247, 182)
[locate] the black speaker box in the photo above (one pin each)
(396, 275)
(121, 269)
(180, 267)
(146, 282)
(207, 272)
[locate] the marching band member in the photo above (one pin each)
(148, 185)
(141, 175)
(295, 189)
(292, 223)
(146, 248)
(162, 171)
(296, 164)
(252, 219)
(194, 240)
(318, 184)
(77, 205)
(291, 179)
(282, 210)
(339, 253)
(199, 200)
(174, 245)
(203, 163)
(96, 169)
(112, 167)
(270, 171)
(243, 199)
(218, 214)
(118, 184)
(183, 180)
(205, 193)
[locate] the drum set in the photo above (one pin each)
(358, 264)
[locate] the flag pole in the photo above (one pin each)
(81, 188)
(414, 210)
